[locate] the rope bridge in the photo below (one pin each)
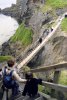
(39, 47)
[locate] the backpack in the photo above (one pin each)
(7, 79)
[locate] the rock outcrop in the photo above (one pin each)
(6, 49)
(17, 10)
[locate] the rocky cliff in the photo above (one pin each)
(41, 21)
(16, 10)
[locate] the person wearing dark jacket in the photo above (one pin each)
(31, 86)
(40, 40)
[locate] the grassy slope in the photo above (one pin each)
(57, 3)
(54, 4)
(23, 34)
(64, 25)
(5, 58)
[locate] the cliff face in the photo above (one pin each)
(55, 51)
(40, 22)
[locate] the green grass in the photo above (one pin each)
(23, 34)
(57, 3)
(5, 58)
(40, 88)
(64, 25)
(63, 78)
(54, 4)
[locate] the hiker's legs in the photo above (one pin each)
(15, 88)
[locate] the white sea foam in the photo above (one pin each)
(6, 3)
(8, 27)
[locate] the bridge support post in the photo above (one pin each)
(58, 94)
(56, 76)
(55, 80)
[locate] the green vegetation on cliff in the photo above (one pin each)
(54, 4)
(5, 58)
(23, 35)
(63, 78)
(64, 25)
(57, 3)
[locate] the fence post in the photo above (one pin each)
(55, 80)
(56, 76)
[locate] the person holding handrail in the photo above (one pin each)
(31, 86)
(11, 78)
